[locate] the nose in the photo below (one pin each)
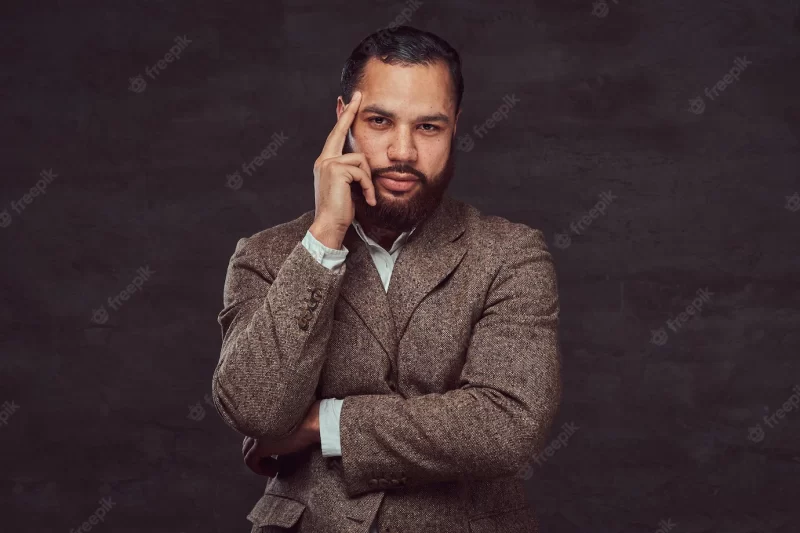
(402, 147)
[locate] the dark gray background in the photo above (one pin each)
(701, 202)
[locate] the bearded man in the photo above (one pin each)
(392, 356)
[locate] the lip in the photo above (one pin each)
(402, 183)
(400, 177)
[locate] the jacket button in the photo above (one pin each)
(306, 315)
(304, 319)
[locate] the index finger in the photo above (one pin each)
(247, 444)
(335, 142)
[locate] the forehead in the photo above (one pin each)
(408, 88)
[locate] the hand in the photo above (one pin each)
(260, 454)
(333, 174)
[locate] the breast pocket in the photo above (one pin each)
(355, 363)
(276, 514)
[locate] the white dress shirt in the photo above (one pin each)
(331, 408)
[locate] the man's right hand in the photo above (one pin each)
(333, 174)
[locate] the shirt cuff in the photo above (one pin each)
(328, 257)
(329, 411)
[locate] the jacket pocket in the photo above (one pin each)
(275, 514)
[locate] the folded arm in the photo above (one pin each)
(275, 329)
(497, 420)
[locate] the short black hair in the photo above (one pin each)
(403, 45)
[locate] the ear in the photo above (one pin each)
(455, 124)
(339, 107)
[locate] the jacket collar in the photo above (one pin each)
(399, 241)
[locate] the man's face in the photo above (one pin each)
(405, 127)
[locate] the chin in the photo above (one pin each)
(392, 196)
(398, 194)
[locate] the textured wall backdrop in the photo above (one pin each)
(655, 143)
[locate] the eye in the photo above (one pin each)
(374, 119)
(431, 129)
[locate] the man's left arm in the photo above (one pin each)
(499, 418)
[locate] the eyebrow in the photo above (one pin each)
(436, 117)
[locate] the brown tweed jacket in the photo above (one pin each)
(450, 380)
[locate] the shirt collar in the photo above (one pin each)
(401, 239)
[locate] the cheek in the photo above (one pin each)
(433, 156)
(367, 143)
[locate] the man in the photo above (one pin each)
(391, 356)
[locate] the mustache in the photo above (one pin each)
(400, 169)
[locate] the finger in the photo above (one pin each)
(368, 186)
(363, 179)
(356, 159)
(247, 444)
(263, 466)
(251, 457)
(335, 141)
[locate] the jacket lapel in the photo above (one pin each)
(429, 255)
(363, 290)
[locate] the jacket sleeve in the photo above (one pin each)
(499, 418)
(275, 330)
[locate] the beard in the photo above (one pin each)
(401, 211)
